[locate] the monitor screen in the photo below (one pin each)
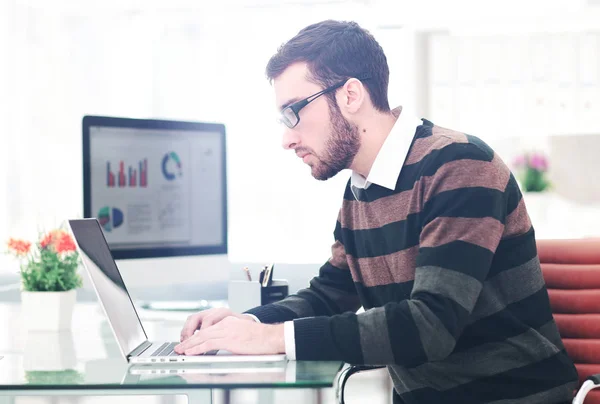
(157, 187)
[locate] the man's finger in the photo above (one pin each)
(215, 317)
(191, 325)
(210, 345)
(208, 321)
(199, 338)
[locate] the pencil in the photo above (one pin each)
(247, 271)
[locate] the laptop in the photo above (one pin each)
(120, 310)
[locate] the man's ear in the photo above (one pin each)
(352, 96)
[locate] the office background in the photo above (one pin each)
(522, 75)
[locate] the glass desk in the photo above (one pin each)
(86, 361)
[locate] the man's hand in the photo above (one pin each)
(206, 318)
(237, 336)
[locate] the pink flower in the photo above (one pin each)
(538, 162)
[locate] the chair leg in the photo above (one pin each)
(591, 383)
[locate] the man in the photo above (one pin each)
(432, 239)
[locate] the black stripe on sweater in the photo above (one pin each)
(345, 331)
(376, 242)
(474, 202)
(515, 319)
(513, 195)
(459, 256)
(382, 294)
(483, 147)
(513, 252)
(513, 384)
(406, 342)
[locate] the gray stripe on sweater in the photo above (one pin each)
(298, 305)
(374, 337)
(481, 361)
(461, 288)
(508, 287)
(560, 394)
(435, 338)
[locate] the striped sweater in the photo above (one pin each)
(447, 271)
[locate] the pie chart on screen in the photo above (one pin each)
(110, 218)
(171, 166)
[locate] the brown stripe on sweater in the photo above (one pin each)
(468, 173)
(452, 175)
(517, 222)
(381, 211)
(484, 232)
(386, 269)
(441, 138)
(338, 256)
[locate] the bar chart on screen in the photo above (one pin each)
(136, 175)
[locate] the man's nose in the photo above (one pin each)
(290, 138)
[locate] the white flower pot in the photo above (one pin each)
(48, 311)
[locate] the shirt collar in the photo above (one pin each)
(390, 158)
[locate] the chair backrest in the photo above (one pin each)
(571, 270)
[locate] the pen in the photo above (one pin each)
(247, 271)
(268, 274)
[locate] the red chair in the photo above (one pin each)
(571, 269)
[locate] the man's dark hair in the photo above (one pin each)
(334, 51)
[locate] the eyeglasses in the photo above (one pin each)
(289, 115)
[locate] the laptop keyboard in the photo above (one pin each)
(167, 349)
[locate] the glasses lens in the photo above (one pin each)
(289, 117)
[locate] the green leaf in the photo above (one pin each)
(51, 272)
(533, 180)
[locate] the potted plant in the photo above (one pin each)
(49, 278)
(531, 170)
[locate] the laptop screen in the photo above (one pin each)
(109, 284)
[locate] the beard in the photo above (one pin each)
(340, 148)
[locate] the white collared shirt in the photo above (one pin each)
(390, 158)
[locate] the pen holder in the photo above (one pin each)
(245, 295)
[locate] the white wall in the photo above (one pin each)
(516, 85)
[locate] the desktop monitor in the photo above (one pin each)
(159, 190)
